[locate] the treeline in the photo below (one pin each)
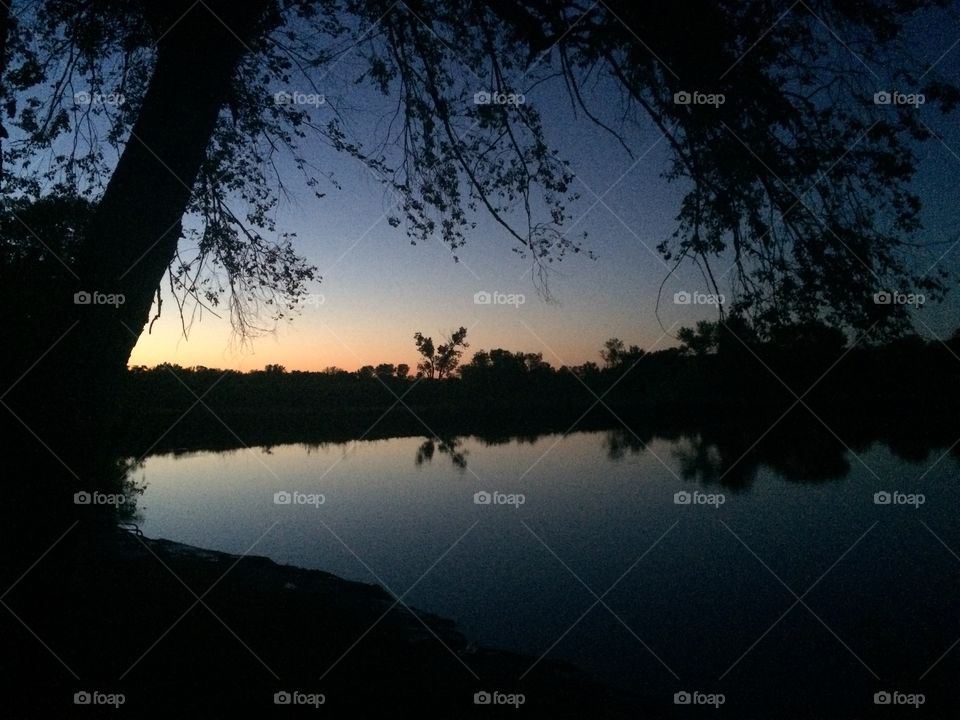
(718, 382)
(715, 364)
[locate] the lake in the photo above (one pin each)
(653, 565)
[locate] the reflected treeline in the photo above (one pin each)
(725, 447)
(798, 447)
(452, 447)
(731, 457)
(733, 461)
(620, 442)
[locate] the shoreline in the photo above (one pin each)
(237, 629)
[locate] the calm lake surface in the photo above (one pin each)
(775, 588)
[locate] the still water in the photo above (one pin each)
(763, 586)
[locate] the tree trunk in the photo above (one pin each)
(63, 405)
(133, 235)
(6, 26)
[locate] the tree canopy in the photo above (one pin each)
(797, 179)
(439, 361)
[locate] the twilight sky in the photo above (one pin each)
(378, 289)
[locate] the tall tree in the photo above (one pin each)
(428, 366)
(449, 353)
(440, 361)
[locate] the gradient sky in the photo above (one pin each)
(378, 289)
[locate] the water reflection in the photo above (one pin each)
(732, 462)
(599, 499)
(731, 456)
(451, 446)
(620, 442)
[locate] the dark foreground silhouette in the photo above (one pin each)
(185, 632)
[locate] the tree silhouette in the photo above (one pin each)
(615, 353)
(427, 366)
(612, 351)
(798, 177)
(441, 360)
(700, 340)
(449, 353)
(385, 370)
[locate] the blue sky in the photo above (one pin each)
(378, 289)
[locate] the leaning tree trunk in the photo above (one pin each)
(6, 26)
(64, 404)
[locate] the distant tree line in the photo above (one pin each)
(721, 379)
(715, 362)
